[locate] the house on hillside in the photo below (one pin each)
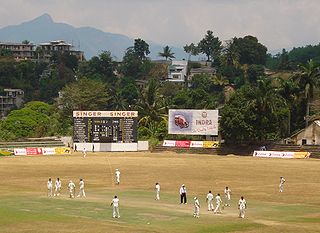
(20, 51)
(177, 71)
(47, 49)
(13, 98)
(308, 136)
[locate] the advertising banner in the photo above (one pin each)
(192, 144)
(193, 122)
(62, 150)
(170, 143)
(20, 151)
(34, 151)
(184, 144)
(6, 152)
(196, 144)
(48, 151)
(281, 154)
(211, 144)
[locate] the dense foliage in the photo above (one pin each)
(253, 106)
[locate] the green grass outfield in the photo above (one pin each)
(24, 206)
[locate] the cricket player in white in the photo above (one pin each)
(196, 213)
(57, 187)
(50, 188)
(81, 189)
(218, 204)
(117, 174)
(210, 201)
(281, 185)
(227, 193)
(84, 152)
(71, 187)
(157, 189)
(115, 207)
(242, 207)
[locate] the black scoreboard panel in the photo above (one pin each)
(105, 129)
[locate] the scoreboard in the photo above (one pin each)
(105, 126)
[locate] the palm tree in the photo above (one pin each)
(231, 54)
(308, 79)
(290, 91)
(267, 98)
(117, 102)
(151, 105)
(167, 53)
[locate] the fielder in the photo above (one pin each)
(242, 207)
(281, 185)
(57, 187)
(50, 188)
(117, 175)
(84, 152)
(157, 189)
(196, 213)
(210, 201)
(81, 189)
(115, 207)
(71, 187)
(218, 204)
(227, 193)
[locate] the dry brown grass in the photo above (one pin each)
(24, 181)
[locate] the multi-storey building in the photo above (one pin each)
(24, 51)
(60, 46)
(13, 98)
(19, 51)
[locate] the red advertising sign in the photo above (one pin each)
(185, 143)
(34, 151)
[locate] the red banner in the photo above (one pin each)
(185, 144)
(34, 151)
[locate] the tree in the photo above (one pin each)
(167, 53)
(31, 121)
(210, 46)
(84, 94)
(255, 114)
(141, 48)
(191, 49)
(250, 50)
(230, 54)
(151, 106)
(101, 67)
(308, 79)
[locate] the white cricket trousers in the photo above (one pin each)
(218, 208)
(82, 193)
(196, 212)
(242, 212)
(210, 205)
(115, 212)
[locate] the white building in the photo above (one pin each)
(178, 71)
(309, 135)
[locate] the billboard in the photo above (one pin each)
(281, 154)
(105, 126)
(193, 122)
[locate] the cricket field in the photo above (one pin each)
(25, 207)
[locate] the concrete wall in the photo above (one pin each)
(141, 145)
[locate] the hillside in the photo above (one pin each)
(88, 39)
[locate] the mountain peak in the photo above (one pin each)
(45, 18)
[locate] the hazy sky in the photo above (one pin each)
(277, 23)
